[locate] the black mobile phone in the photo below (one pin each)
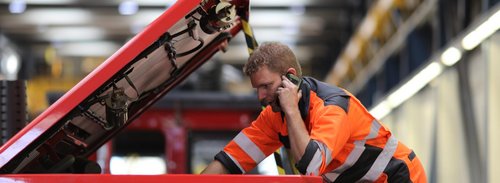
(295, 80)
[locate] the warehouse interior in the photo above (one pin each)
(425, 68)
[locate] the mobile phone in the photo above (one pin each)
(295, 80)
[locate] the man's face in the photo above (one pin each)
(266, 83)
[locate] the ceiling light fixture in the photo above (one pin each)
(381, 110)
(451, 56)
(10, 63)
(128, 7)
(405, 92)
(486, 29)
(414, 85)
(72, 34)
(17, 6)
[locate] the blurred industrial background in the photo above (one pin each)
(427, 68)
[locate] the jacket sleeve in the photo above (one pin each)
(252, 144)
(329, 133)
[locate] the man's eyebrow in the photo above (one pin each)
(264, 84)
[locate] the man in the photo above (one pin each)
(330, 133)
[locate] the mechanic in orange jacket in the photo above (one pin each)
(330, 133)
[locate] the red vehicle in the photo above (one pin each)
(61, 139)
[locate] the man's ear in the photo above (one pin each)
(291, 71)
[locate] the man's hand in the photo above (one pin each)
(215, 167)
(289, 96)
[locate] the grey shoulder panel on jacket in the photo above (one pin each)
(331, 95)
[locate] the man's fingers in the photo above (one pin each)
(284, 79)
(286, 82)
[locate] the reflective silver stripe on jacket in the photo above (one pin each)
(249, 147)
(382, 160)
(359, 147)
(315, 164)
(236, 162)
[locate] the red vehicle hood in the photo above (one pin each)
(124, 86)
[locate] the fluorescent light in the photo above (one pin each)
(128, 7)
(381, 110)
(406, 91)
(85, 49)
(17, 6)
(416, 83)
(495, 17)
(73, 34)
(451, 56)
(57, 16)
(12, 64)
(471, 40)
(486, 29)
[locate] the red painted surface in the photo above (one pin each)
(85, 178)
(220, 119)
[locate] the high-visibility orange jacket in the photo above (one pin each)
(347, 144)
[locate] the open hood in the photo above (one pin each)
(124, 86)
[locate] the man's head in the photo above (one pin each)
(276, 56)
(266, 65)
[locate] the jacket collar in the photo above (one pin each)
(304, 101)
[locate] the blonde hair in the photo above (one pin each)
(276, 56)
